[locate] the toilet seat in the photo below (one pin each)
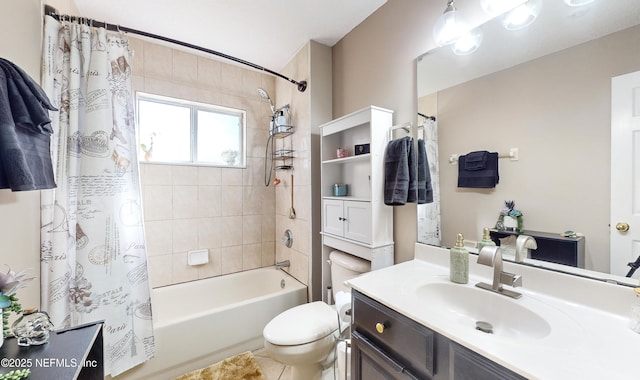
(302, 324)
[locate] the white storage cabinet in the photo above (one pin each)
(358, 223)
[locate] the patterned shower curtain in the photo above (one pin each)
(429, 229)
(93, 257)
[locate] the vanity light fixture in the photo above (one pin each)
(497, 7)
(468, 42)
(577, 3)
(522, 16)
(450, 25)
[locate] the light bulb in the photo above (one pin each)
(522, 16)
(468, 42)
(449, 26)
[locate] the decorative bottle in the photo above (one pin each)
(459, 265)
(486, 240)
(32, 328)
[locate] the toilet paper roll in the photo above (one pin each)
(343, 304)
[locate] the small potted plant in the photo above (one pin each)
(510, 219)
(148, 149)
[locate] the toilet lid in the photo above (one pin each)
(301, 324)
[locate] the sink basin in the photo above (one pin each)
(467, 305)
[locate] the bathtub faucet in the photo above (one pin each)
(283, 264)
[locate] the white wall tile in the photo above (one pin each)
(231, 259)
(185, 175)
(251, 256)
(231, 200)
(209, 176)
(185, 202)
(160, 270)
(159, 237)
(183, 272)
(231, 231)
(158, 202)
(185, 235)
(251, 229)
(209, 201)
(213, 267)
(209, 233)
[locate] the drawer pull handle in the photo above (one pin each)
(381, 326)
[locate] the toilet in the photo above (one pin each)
(305, 336)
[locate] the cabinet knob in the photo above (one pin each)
(622, 227)
(380, 326)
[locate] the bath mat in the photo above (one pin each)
(240, 367)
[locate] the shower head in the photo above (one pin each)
(265, 96)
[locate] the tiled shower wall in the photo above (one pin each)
(229, 211)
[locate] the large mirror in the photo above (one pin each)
(545, 90)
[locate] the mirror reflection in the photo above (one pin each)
(545, 91)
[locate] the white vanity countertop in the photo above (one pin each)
(589, 335)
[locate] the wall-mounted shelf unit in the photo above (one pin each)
(359, 223)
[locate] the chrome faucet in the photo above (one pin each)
(523, 244)
(491, 256)
(283, 264)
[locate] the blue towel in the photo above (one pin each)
(396, 172)
(485, 177)
(425, 190)
(25, 132)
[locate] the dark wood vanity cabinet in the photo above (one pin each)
(387, 345)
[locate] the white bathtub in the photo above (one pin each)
(202, 322)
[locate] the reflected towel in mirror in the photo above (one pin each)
(482, 175)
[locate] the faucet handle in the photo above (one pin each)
(510, 279)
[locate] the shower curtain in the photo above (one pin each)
(93, 257)
(429, 230)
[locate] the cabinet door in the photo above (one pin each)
(357, 221)
(332, 217)
(466, 364)
(370, 362)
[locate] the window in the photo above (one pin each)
(179, 131)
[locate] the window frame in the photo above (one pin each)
(194, 107)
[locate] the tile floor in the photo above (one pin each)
(274, 370)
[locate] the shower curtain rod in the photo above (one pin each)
(430, 118)
(51, 11)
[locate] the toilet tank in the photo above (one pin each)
(344, 267)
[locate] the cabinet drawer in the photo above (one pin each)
(371, 363)
(407, 342)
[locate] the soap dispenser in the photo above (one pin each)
(486, 240)
(459, 262)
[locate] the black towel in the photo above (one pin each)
(476, 160)
(396, 172)
(486, 177)
(25, 132)
(412, 191)
(425, 190)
